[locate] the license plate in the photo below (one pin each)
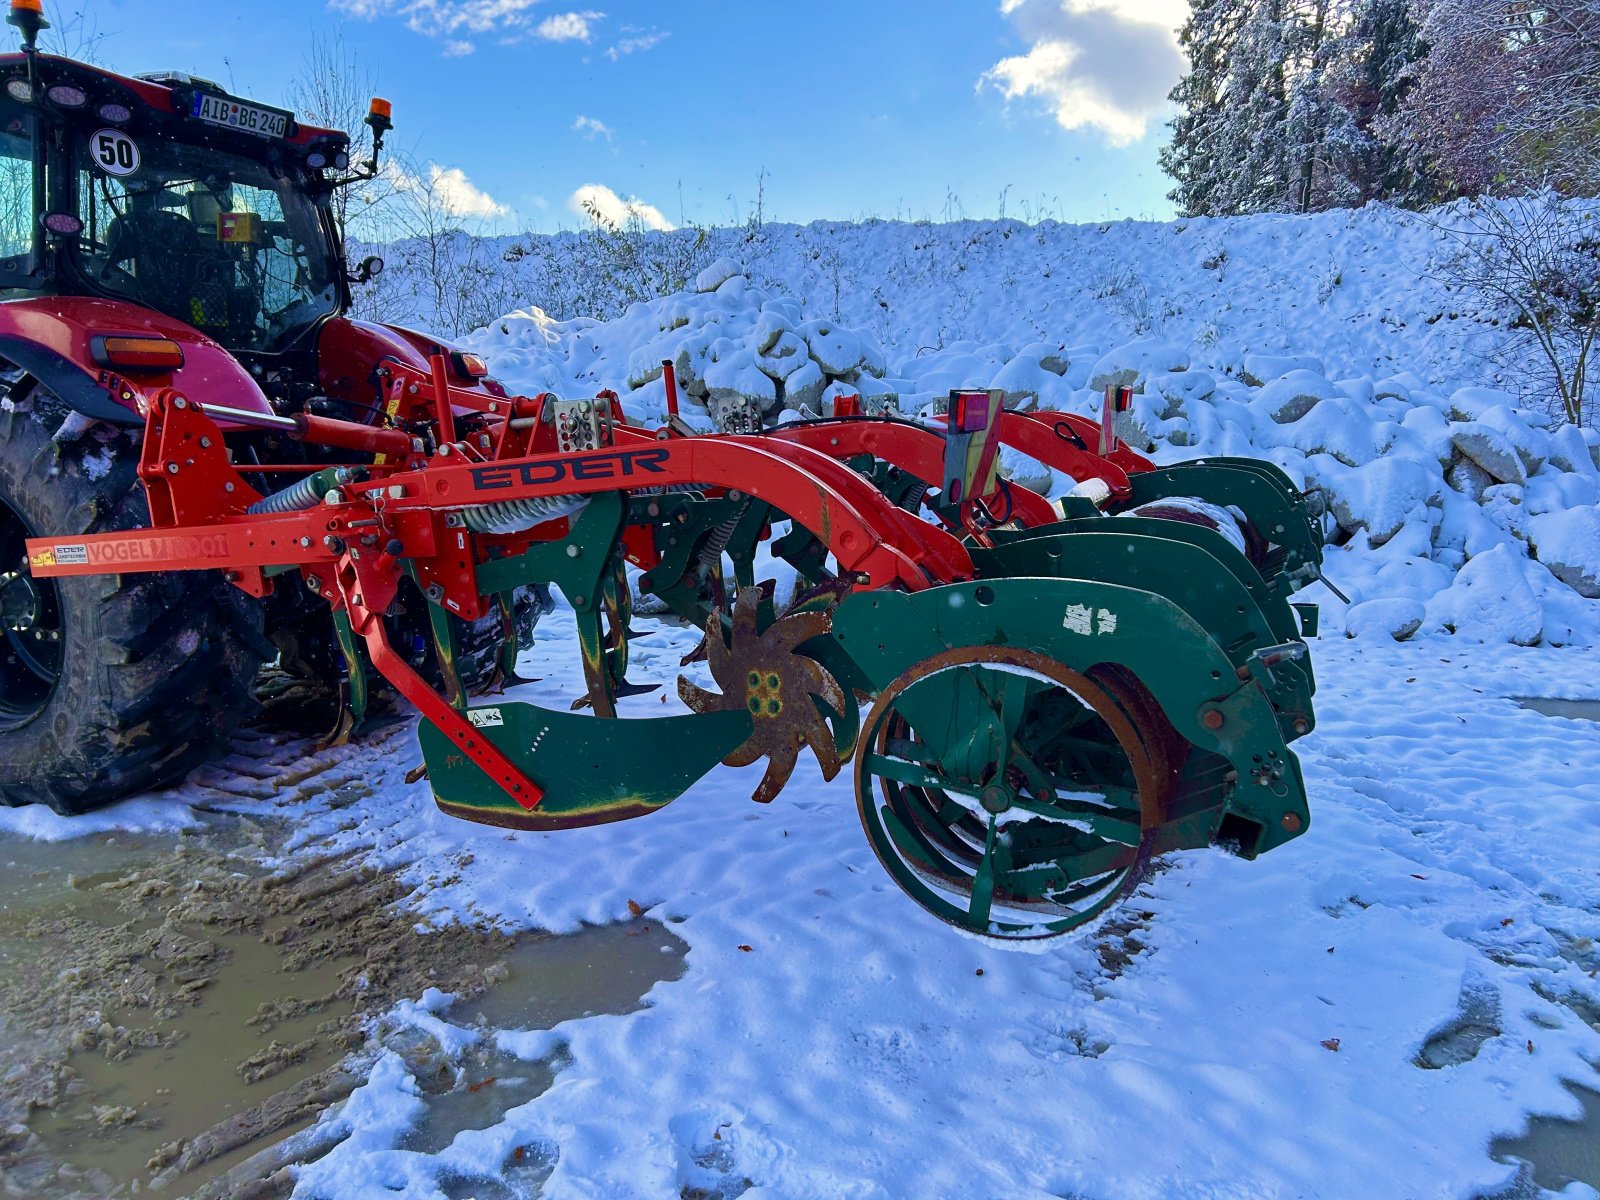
(244, 117)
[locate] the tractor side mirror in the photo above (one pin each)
(371, 267)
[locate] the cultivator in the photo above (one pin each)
(1058, 691)
(1055, 690)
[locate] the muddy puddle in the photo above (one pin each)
(1573, 710)
(174, 1017)
(1558, 1153)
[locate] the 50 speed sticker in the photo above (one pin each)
(114, 152)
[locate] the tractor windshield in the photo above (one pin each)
(231, 244)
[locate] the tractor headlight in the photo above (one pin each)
(116, 114)
(316, 160)
(20, 89)
(67, 96)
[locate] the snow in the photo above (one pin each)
(855, 1049)
(1367, 393)
(1568, 542)
(1252, 1029)
(1491, 600)
(162, 813)
(1261, 369)
(1397, 617)
(1292, 396)
(1129, 365)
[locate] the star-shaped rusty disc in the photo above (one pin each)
(763, 674)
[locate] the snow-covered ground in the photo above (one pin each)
(1292, 1027)
(1454, 505)
(1265, 1038)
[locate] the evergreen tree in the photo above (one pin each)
(1283, 105)
(1386, 46)
(1195, 156)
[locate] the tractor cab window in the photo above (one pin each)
(229, 244)
(16, 196)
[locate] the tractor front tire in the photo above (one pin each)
(108, 684)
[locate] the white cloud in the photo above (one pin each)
(567, 27)
(451, 22)
(591, 128)
(452, 191)
(463, 197)
(598, 202)
(637, 44)
(1095, 64)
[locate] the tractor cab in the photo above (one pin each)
(167, 192)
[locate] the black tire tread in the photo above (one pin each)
(159, 668)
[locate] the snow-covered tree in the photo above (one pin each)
(1194, 156)
(1273, 113)
(1227, 152)
(1376, 73)
(1507, 97)
(1533, 263)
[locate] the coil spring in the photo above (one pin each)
(715, 544)
(307, 492)
(513, 516)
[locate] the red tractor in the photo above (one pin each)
(156, 231)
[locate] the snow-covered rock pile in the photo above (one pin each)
(1358, 288)
(725, 338)
(1448, 508)
(1456, 511)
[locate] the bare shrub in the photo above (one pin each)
(1534, 263)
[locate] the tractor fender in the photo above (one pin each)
(51, 338)
(349, 351)
(1083, 624)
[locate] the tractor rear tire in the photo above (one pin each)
(108, 684)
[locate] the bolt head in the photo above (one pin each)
(1212, 719)
(1291, 822)
(996, 798)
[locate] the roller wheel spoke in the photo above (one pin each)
(982, 901)
(1008, 794)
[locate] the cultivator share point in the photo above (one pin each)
(1054, 692)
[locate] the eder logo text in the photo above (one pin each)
(618, 465)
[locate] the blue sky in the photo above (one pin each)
(882, 108)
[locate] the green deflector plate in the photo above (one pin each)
(592, 769)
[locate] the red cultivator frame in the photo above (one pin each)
(473, 494)
(1059, 689)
